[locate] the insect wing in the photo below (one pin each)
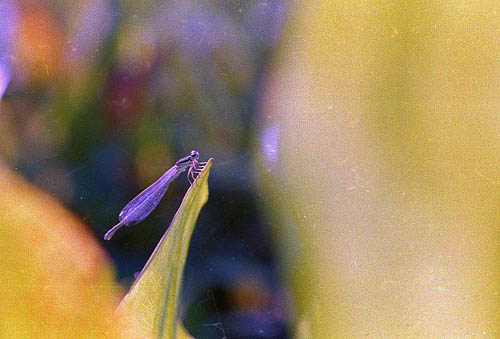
(144, 203)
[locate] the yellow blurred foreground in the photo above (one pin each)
(55, 280)
(387, 179)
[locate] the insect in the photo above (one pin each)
(143, 204)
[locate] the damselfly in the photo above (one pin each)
(143, 204)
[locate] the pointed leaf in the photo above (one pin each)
(150, 309)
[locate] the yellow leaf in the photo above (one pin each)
(55, 280)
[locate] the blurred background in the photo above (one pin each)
(355, 190)
(100, 97)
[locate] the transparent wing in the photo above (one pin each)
(144, 203)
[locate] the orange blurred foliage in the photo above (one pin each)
(40, 42)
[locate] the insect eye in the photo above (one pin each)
(195, 155)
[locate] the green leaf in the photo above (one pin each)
(150, 309)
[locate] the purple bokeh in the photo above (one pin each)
(264, 21)
(96, 20)
(269, 146)
(8, 24)
(197, 30)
